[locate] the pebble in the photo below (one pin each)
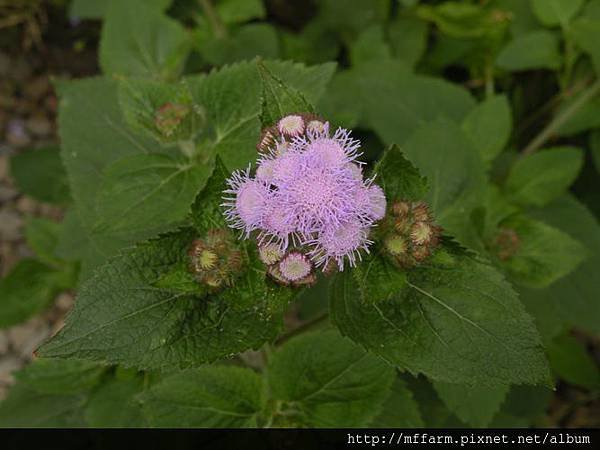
(3, 343)
(7, 194)
(27, 337)
(16, 134)
(39, 125)
(26, 205)
(10, 225)
(8, 365)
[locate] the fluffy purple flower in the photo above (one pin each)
(309, 194)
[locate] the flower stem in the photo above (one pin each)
(561, 119)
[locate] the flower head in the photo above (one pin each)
(308, 193)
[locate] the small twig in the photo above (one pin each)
(305, 326)
(215, 21)
(561, 119)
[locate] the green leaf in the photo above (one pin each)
(595, 148)
(143, 195)
(49, 394)
(242, 43)
(123, 316)
(474, 405)
(377, 279)
(114, 404)
(278, 99)
(40, 174)
(523, 407)
(141, 41)
(399, 178)
(543, 254)
(370, 46)
(238, 11)
(58, 377)
(162, 110)
(408, 39)
(455, 171)
(488, 126)
(234, 96)
(208, 397)
(533, 50)
(574, 298)
(555, 12)
(96, 9)
(540, 178)
(586, 32)
(400, 410)
(28, 289)
(42, 237)
(325, 380)
(397, 103)
(459, 322)
(572, 362)
(24, 407)
(583, 118)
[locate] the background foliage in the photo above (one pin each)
(487, 110)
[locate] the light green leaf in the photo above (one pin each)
(533, 50)
(141, 41)
(400, 410)
(29, 288)
(459, 322)
(143, 195)
(556, 12)
(408, 39)
(574, 298)
(573, 363)
(123, 315)
(208, 397)
(488, 126)
(370, 46)
(40, 174)
(543, 253)
(325, 380)
(474, 405)
(540, 178)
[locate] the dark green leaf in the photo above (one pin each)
(123, 316)
(573, 363)
(474, 405)
(96, 9)
(114, 404)
(42, 237)
(459, 322)
(400, 410)
(211, 397)
(399, 178)
(325, 380)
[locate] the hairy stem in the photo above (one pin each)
(561, 119)
(213, 18)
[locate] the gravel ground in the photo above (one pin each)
(27, 120)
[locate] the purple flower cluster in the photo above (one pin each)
(308, 192)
